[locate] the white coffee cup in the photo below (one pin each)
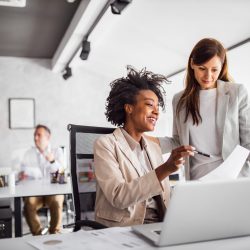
(11, 182)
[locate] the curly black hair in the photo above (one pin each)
(124, 91)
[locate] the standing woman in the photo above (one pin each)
(212, 113)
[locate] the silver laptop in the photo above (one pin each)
(201, 211)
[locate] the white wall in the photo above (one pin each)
(239, 64)
(79, 100)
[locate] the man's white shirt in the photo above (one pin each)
(35, 165)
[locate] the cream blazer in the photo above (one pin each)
(232, 120)
(121, 191)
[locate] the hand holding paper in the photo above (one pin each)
(231, 167)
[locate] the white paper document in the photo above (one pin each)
(121, 238)
(231, 167)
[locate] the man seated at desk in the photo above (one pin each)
(39, 162)
(132, 179)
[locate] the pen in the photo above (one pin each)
(204, 154)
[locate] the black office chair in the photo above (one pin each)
(82, 173)
(5, 218)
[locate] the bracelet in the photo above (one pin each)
(51, 162)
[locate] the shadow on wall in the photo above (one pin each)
(44, 63)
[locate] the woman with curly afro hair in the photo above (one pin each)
(132, 179)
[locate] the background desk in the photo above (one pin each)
(29, 188)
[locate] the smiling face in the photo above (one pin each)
(207, 73)
(143, 114)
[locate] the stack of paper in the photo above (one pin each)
(122, 238)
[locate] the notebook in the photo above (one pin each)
(202, 211)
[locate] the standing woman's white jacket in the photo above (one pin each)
(232, 121)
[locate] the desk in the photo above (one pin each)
(241, 243)
(29, 188)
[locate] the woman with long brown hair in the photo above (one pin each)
(211, 113)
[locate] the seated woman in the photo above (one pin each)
(132, 179)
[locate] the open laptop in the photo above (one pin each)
(202, 211)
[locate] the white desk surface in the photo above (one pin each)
(242, 243)
(35, 188)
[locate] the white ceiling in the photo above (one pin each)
(160, 34)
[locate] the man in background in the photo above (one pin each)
(39, 162)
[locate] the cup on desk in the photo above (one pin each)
(62, 178)
(57, 177)
(4, 176)
(11, 182)
(54, 177)
(1, 181)
(8, 179)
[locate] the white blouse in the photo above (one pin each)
(204, 137)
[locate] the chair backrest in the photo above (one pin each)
(82, 140)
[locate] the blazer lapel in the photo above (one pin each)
(184, 128)
(180, 127)
(155, 162)
(128, 153)
(151, 155)
(221, 107)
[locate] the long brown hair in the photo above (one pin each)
(202, 52)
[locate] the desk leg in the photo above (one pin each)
(18, 217)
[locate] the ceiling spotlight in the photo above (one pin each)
(67, 73)
(85, 50)
(118, 6)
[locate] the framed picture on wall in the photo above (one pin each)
(21, 113)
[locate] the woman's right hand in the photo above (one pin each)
(174, 162)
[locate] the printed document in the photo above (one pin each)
(231, 167)
(122, 238)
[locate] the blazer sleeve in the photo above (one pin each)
(121, 193)
(244, 117)
(167, 144)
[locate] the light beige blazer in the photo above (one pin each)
(121, 191)
(232, 120)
